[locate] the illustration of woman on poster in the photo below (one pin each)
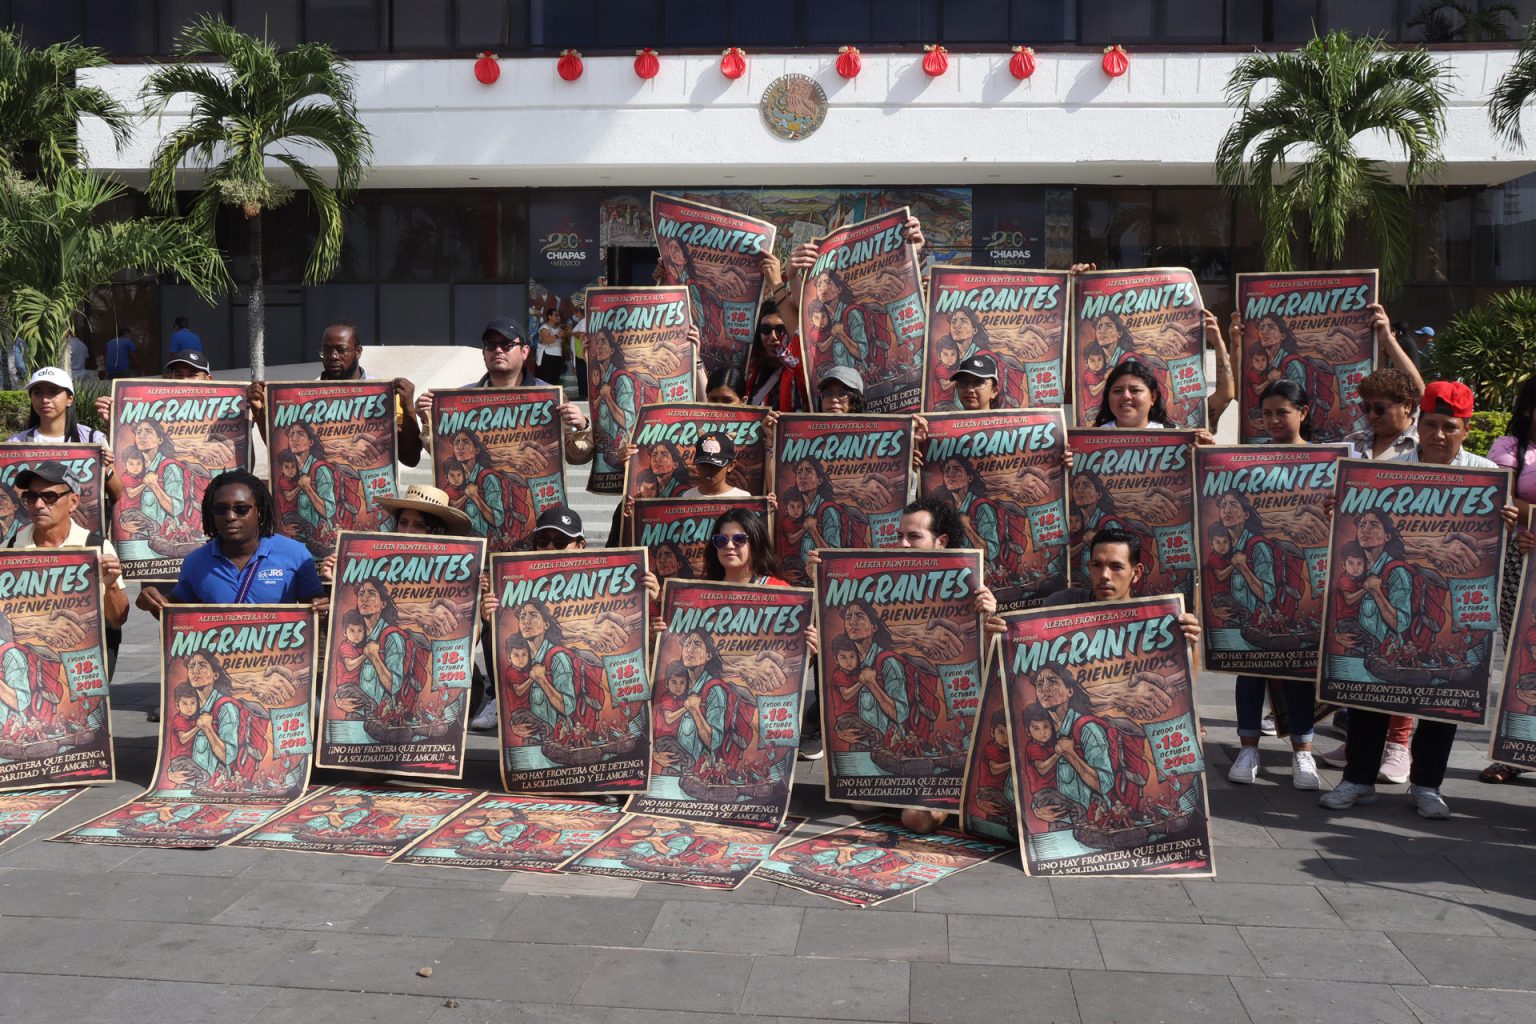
(1080, 763)
(702, 729)
(879, 689)
(1118, 344)
(10, 522)
(671, 561)
(162, 507)
(668, 475)
(381, 677)
(216, 744)
(1282, 359)
(1385, 612)
(965, 488)
(823, 518)
(336, 814)
(306, 490)
(615, 402)
(845, 336)
(968, 333)
(714, 348)
(487, 498)
(1095, 504)
(1252, 595)
(553, 699)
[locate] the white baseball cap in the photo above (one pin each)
(52, 375)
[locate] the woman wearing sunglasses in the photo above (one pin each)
(739, 551)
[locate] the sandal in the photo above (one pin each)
(1497, 774)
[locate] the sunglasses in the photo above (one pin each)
(49, 498)
(735, 540)
(499, 343)
(1377, 408)
(224, 508)
(777, 330)
(548, 541)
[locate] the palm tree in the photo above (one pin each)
(1513, 90)
(1294, 151)
(1458, 21)
(56, 249)
(261, 105)
(41, 104)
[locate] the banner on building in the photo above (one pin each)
(563, 229)
(987, 806)
(169, 438)
(83, 465)
(1514, 732)
(514, 833)
(666, 435)
(702, 854)
(360, 821)
(675, 531)
(1413, 601)
(1016, 317)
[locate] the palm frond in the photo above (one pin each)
(42, 102)
(1514, 90)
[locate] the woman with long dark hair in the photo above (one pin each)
(615, 400)
(486, 497)
(554, 696)
(823, 517)
(382, 676)
(847, 336)
(739, 550)
(1133, 399)
(965, 488)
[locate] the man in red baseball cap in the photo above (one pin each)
(1445, 413)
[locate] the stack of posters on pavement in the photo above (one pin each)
(1413, 604)
(572, 632)
(361, 821)
(237, 686)
(20, 811)
(638, 352)
(666, 434)
(1514, 733)
(1264, 556)
(1004, 473)
(1152, 315)
(675, 530)
(987, 805)
(404, 618)
(705, 855)
(1109, 772)
(871, 862)
(1017, 317)
(514, 833)
(54, 721)
(331, 449)
(83, 462)
(1313, 329)
(901, 657)
(500, 456)
(169, 439)
(718, 256)
(1141, 481)
(861, 306)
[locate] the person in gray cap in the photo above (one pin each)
(840, 390)
(975, 381)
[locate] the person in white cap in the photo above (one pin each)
(52, 420)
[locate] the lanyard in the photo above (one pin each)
(247, 579)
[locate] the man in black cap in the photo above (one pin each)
(713, 457)
(975, 381)
(557, 529)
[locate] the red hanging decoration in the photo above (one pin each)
(646, 64)
(733, 63)
(486, 69)
(1022, 63)
(849, 63)
(935, 61)
(1115, 61)
(569, 67)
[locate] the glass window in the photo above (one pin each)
(278, 20)
(415, 314)
(1191, 21)
(974, 21)
(326, 304)
(482, 24)
(351, 26)
(475, 305)
(1193, 228)
(1362, 17)
(619, 23)
(1117, 21)
(43, 22)
(1505, 232)
(830, 21)
(284, 331)
(121, 27)
(759, 24)
(419, 25)
(1265, 21)
(1114, 227)
(1442, 250)
(176, 15)
(696, 22)
(1044, 21)
(905, 21)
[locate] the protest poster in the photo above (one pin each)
(54, 724)
(871, 862)
(83, 466)
(1152, 315)
(1514, 732)
(236, 699)
(1143, 482)
(169, 438)
(1017, 317)
(675, 530)
(861, 306)
(20, 811)
(1413, 602)
(718, 256)
(726, 701)
(1005, 473)
(666, 435)
(901, 657)
(404, 618)
(1311, 328)
(513, 833)
(500, 456)
(638, 353)
(702, 854)
(987, 795)
(841, 481)
(360, 821)
(572, 633)
(1104, 690)
(1264, 556)
(331, 449)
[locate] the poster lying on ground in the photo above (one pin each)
(675, 530)
(514, 833)
(54, 723)
(236, 696)
(500, 457)
(1154, 316)
(572, 690)
(1514, 732)
(20, 811)
(987, 805)
(726, 702)
(861, 306)
(331, 448)
(702, 854)
(718, 256)
(666, 435)
(874, 861)
(841, 482)
(404, 618)
(1313, 329)
(1005, 473)
(169, 438)
(901, 657)
(83, 463)
(1017, 317)
(1413, 602)
(637, 353)
(1109, 772)
(1143, 482)
(361, 821)
(1264, 556)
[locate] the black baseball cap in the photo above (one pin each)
(714, 449)
(507, 327)
(47, 472)
(982, 367)
(560, 519)
(192, 357)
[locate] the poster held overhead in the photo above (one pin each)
(83, 462)
(1152, 315)
(1017, 317)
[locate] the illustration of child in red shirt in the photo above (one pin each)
(1040, 756)
(130, 471)
(1349, 585)
(517, 677)
(354, 633)
(672, 704)
(1218, 564)
(178, 740)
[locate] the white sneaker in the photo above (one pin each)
(1346, 795)
(1429, 802)
(485, 718)
(1246, 768)
(1267, 725)
(1336, 757)
(1396, 763)
(1304, 771)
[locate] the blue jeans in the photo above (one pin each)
(1299, 700)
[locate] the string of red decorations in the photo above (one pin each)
(646, 63)
(570, 66)
(733, 63)
(486, 68)
(1022, 64)
(849, 63)
(935, 60)
(1115, 61)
